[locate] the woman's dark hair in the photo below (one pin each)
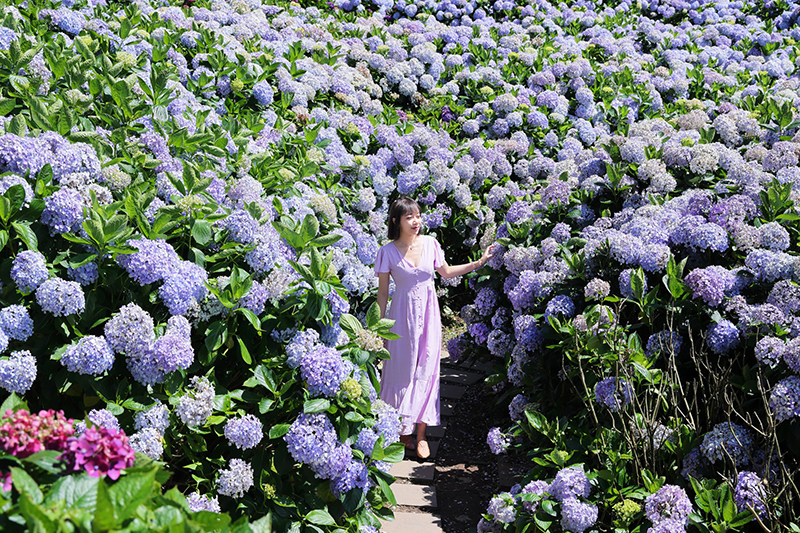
(400, 208)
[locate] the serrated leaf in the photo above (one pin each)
(321, 518)
(278, 430)
(350, 324)
(202, 232)
(317, 405)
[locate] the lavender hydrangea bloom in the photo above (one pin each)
(244, 432)
(355, 476)
(527, 333)
(577, 516)
(613, 393)
(235, 480)
(727, 441)
(668, 503)
(149, 442)
(63, 211)
(18, 372)
(710, 284)
(155, 417)
(201, 502)
(310, 437)
(723, 336)
(569, 483)
(663, 342)
(784, 400)
(16, 323)
(502, 509)
(184, 287)
(131, 331)
(750, 493)
(196, 406)
(29, 270)
(538, 488)
(596, 289)
(323, 370)
(60, 297)
(560, 306)
(103, 418)
(769, 351)
(155, 260)
(90, 355)
(498, 442)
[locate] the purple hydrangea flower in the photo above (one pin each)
(355, 476)
(728, 441)
(668, 503)
(769, 351)
(527, 333)
(613, 393)
(710, 284)
(155, 417)
(103, 418)
(560, 306)
(196, 405)
(235, 480)
(663, 342)
(155, 260)
(63, 211)
(750, 493)
(131, 331)
(498, 442)
(244, 432)
(723, 336)
(323, 370)
(183, 287)
(537, 487)
(569, 483)
(16, 323)
(90, 355)
(502, 509)
(784, 400)
(18, 372)
(577, 516)
(597, 289)
(60, 297)
(29, 270)
(201, 502)
(310, 437)
(149, 442)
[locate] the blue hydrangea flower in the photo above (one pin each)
(155, 260)
(723, 336)
(750, 493)
(29, 270)
(103, 418)
(183, 287)
(355, 476)
(90, 355)
(498, 441)
(728, 441)
(131, 331)
(784, 400)
(613, 393)
(235, 480)
(663, 342)
(569, 483)
(668, 503)
(310, 437)
(3, 341)
(18, 372)
(60, 297)
(263, 93)
(63, 211)
(201, 502)
(244, 432)
(501, 508)
(196, 405)
(155, 417)
(85, 275)
(527, 333)
(16, 323)
(323, 370)
(149, 442)
(577, 516)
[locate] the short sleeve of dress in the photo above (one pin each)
(438, 254)
(382, 265)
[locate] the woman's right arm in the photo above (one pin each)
(383, 292)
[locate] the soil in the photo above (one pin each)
(467, 474)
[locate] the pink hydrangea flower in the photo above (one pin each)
(22, 433)
(99, 451)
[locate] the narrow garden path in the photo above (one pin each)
(415, 491)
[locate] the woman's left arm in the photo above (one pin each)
(447, 271)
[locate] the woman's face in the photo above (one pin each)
(410, 223)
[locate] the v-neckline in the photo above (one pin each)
(406, 260)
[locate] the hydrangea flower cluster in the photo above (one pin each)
(244, 432)
(99, 451)
(669, 507)
(235, 480)
(22, 433)
(613, 393)
(196, 406)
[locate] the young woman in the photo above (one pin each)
(410, 378)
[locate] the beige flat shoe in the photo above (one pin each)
(423, 451)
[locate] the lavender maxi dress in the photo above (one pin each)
(410, 378)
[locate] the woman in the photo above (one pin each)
(410, 378)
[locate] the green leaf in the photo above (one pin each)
(246, 357)
(17, 126)
(373, 315)
(14, 403)
(25, 484)
(201, 232)
(317, 405)
(26, 234)
(321, 518)
(35, 517)
(104, 518)
(386, 489)
(45, 459)
(7, 105)
(394, 453)
(310, 228)
(132, 490)
(278, 430)
(16, 196)
(350, 324)
(324, 240)
(77, 492)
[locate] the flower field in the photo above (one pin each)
(193, 196)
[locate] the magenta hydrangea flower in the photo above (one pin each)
(99, 452)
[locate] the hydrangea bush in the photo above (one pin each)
(193, 194)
